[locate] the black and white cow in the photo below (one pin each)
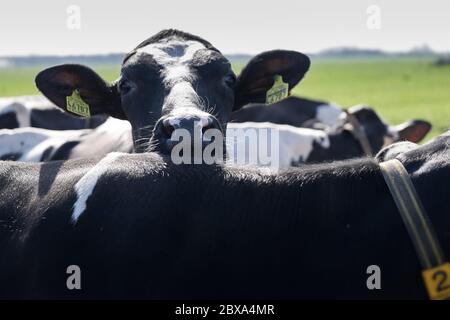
(38, 112)
(314, 114)
(343, 143)
(138, 226)
(303, 145)
(293, 111)
(170, 81)
(36, 144)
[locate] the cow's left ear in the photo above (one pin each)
(413, 131)
(79, 90)
(259, 75)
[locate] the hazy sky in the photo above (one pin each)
(40, 27)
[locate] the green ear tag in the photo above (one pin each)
(76, 105)
(278, 92)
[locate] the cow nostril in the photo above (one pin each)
(207, 127)
(168, 129)
(212, 124)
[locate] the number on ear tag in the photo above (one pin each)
(437, 281)
(278, 92)
(75, 104)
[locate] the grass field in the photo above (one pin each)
(399, 89)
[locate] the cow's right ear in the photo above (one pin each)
(261, 72)
(86, 90)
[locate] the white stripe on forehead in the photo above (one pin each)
(174, 55)
(182, 94)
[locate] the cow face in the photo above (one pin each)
(380, 134)
(171, 81)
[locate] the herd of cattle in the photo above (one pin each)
(102, 192)
(34, 130)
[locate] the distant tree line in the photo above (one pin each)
(116, 58)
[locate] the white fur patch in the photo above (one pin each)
(31, 143)
(329, 114)
(294, 143)
(174, 55)
(114, 126)
(85, 186)
(31, 102)
(298, 143)
(183, 95)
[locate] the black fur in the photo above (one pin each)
(56, 119)
(8, 120)
(156, 230)
(294, 111)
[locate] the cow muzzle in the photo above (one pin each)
(183, 134)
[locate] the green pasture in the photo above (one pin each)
(399, 89)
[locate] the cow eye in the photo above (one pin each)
(124, 86)
(230, 80)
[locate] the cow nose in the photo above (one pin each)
(168, 127)
(195, 126)
(192, 124)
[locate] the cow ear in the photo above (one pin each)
(413, 131)
(88, 93)
(260, 73)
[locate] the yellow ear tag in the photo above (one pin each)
(75, 104)
(437, 281)
(278, 92)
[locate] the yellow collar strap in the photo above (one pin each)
(436, 271)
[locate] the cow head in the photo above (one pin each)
(173, 80)
(380, 134)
